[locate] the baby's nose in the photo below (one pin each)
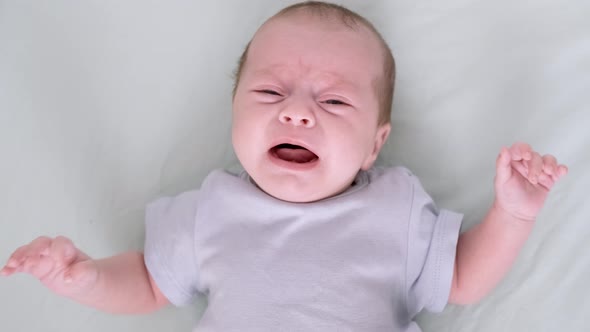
(297, 118)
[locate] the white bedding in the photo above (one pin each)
(106, 105)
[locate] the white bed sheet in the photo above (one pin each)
(105, 105)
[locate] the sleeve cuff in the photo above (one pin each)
(446, 237)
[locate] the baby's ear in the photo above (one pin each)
(380, 139)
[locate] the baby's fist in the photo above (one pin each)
(524, 178)
(57, 263)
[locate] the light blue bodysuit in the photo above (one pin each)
(366, 260)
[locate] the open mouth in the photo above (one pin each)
(293, 153)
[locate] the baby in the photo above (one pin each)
(310, 236)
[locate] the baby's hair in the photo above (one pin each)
(383, 85)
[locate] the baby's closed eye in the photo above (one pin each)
(334, 102)
(268, 95)
(269, 91)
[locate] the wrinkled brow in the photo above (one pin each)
(324, 78)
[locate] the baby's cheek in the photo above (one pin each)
(241, 128)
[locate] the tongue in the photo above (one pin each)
(295, 155)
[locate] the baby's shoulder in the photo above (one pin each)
(396, 174)
(222, 175)
(398, 181)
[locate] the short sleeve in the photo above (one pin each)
(432, 244)
(169, 251)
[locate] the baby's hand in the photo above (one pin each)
(57, 263)
(524, 179)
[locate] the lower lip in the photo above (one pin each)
(292, 165)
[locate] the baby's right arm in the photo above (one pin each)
(118, 284)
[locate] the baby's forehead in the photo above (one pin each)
(321, 76)
(293, 25)
(326, 21)
(329, 54)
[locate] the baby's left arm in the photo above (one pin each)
(486, 251)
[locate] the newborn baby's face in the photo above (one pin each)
(305, 111)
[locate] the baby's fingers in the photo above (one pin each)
(41, 257)
(535, 167)
(35, 258)
(9, 268)
(26, 256)
(13, 262)
(549, 164)
(521, 151)
(62, 251)
(546, 181)
(552, 168)
(58, 256)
